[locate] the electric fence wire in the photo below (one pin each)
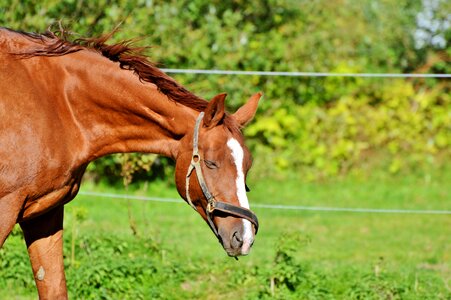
(279, 206)
(304, 74)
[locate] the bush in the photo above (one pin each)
(410, 126)
(320, 127)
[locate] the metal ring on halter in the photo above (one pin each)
(212, 203)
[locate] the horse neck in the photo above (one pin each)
(117, 113)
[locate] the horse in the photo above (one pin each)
(66, 102)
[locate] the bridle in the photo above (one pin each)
(212, 204)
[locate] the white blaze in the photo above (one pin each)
(238, 156)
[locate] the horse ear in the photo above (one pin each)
(246, 112)
(215, 111)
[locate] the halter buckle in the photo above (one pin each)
(211, 206)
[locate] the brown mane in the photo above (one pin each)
(132, 58)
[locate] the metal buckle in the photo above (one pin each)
(211, 206)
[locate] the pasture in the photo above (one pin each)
(172, 254)
(361, 120)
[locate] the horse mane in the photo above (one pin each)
(129, 57)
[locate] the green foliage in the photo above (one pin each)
(107, 267)
(116, 272)
(287, 273)
(112, 267)
(296, 255)
(122, 169)
(410, 127)
(13, 256)
(320, 127)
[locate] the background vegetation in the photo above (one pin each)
(343, 141)
(165, 251)
(318, 126)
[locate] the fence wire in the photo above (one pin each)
(281, 207)
(304, 74)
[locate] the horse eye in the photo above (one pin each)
(247, 188)
(211, 164)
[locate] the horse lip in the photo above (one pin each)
(236, 252)
(232, 252)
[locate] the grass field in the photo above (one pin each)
(297, 254)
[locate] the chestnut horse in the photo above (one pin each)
(66, 103)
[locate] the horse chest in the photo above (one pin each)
(64, 189)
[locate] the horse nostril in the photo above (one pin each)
(237, 240)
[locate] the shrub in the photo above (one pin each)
(410, 126)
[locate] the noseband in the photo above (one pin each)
(213, 204)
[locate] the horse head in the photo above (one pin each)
(211, 171)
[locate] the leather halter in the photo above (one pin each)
(212, 204)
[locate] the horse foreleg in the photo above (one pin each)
(44, 238)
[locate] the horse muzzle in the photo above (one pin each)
(238, 239)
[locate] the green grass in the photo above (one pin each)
(306, 255)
